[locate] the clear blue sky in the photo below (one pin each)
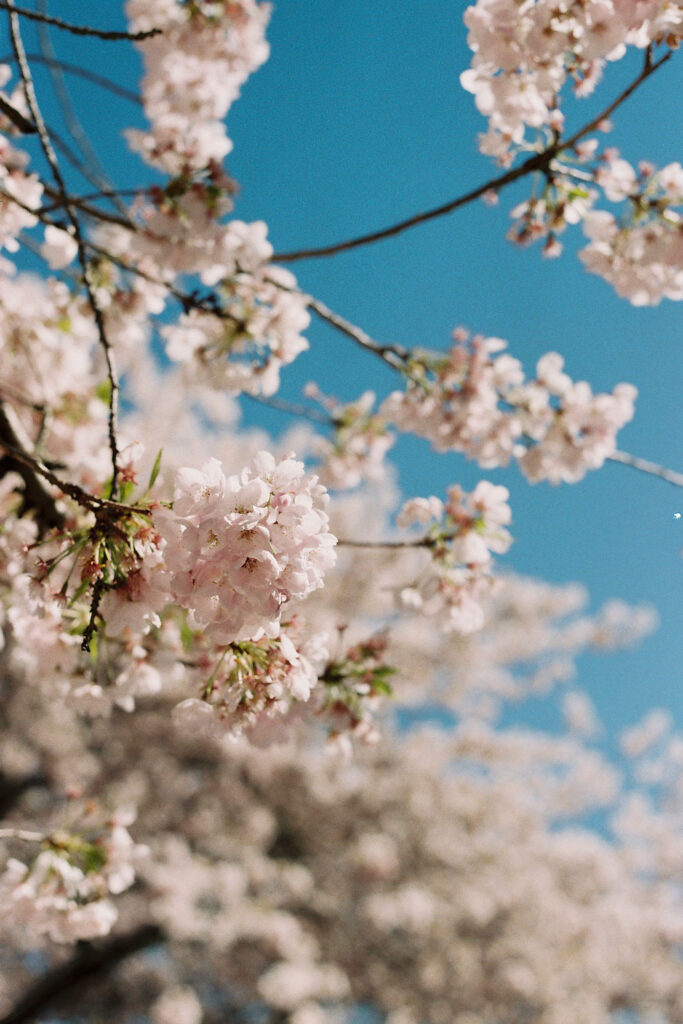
(357, 121)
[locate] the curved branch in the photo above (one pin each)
(77, 30)
(91, 160)
(17, 460)
(536, 162)
(50, 156)
(85, 73)
(88, 963)
(395, 355)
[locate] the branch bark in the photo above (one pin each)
(78, 30)
(17, 460)
(90, 962)
(536, 162)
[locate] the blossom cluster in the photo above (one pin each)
(470, 527)
(239, 547)
(19, 192)
(360, 440)
(194, 70)
(63, 893)
(476, 400)
(253, 680)
(525, 52)
(641, 254)
(243, 347)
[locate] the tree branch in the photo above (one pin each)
(50, 156)
(76, 69)
(293, 409)
(395, 355)
(82, 497)
(91, 161)
(536, 162)
(22, 834)
(78, 30)
(670, 475)
(17, 460)
(90, 962)
(419, 542)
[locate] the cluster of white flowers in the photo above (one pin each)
(253, 680)
(359, 441)
(194, 70)
(239, 547)
(458, 578)
(478, 402)
(243, 348)
(525, 51)
(15, 184)
(643, 262)
(563, 202)
(63, 893)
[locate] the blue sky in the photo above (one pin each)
(358, 120)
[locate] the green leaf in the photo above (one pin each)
(94, 859)
(103, 391)
(155, 471)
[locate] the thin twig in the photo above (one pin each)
(85, 207)
(91, 160)
(420, 542)
(50, 156)
(25, 835)
(82, 497)
(78, 30)
(80, 72)
(670, 475)
(395, 355)
(81, 201)
(648, 69)
(292, 408)
(536, 162)
(91, 628)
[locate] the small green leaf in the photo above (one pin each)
(155, 470)
(94, 859)
(103, 391)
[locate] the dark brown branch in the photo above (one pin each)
(17, 119)
(78, 30)
(85, 207)
(50, 156)
(648, 69)
(537, 162)
(82, 201)
(16, 460)
(90, 160)
(88, 963)
(83, 498)
(12, 789)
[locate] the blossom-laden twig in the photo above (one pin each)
(536, 162)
